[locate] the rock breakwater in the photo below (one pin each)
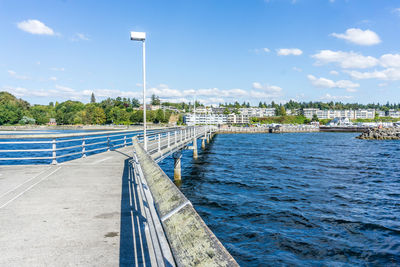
(381, 134)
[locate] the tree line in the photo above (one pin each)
(293, 105)
(109, 111)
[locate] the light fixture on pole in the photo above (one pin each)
(141, 36)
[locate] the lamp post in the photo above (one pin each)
(141, 36)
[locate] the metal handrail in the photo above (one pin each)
(159, 139)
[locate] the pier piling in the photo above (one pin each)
(195, 155)
(177, 165)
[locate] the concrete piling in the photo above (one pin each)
(203, 143)
(195, 155)
(177, 165)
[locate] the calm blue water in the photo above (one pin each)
(321, 199)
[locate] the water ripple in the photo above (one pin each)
(299, 199)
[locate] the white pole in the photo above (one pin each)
(144, 95)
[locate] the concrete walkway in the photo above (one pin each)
(83, 212)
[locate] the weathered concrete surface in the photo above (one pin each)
(381, 134)
(73, 214)
(191, 241)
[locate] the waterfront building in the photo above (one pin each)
(340, 122)
(213, 119)
(394, 113)
(381, 113)
(331, 113)
(257, 112)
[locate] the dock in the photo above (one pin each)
(113, 208)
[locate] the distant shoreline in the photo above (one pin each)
(75, 127)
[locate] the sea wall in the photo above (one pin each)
(192, 243)
(381, 134)
(278, 129)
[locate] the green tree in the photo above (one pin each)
(314, 117)
(42, 114)
(155, 100)
(27, 120)
(92, 98)
(12, 109)
(66, 111)
(135, 103)
(159, 116)
(137, 116)
(282, 111)
(94, 115)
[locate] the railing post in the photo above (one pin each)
(159, 142)
(181, 135)
(175, 137)
(54, 148)
(108, 143)
(169, 138)
(124, 140)
(83, 147)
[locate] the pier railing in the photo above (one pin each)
(54, 148)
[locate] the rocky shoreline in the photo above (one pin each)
(381, 134)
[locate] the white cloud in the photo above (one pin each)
(57, 69)
(34, 26)
(382, 84)
(207, 95)
(345, 60)
(390, 60)
(332, 97)
(80, 37)
(64, 89)
(16, 76)
(267, 88)
(327, 83)
(358, 36)
(392, 74)
(289, 51)
(397, 11)
(53, 78)
(260, 50)
(297, 69)
(333, 72)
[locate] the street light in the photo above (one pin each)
(141, 36)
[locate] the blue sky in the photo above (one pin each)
(218, 50)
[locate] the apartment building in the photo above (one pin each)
(331, 114)
(214, 119)
(394, 113)
(257, 112)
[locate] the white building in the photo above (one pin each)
(381, 113)
(394, 113)
(257, 112)
(214, 119)
(331, 113)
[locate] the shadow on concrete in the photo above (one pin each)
(133, 244)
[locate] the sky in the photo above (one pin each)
(213, 50)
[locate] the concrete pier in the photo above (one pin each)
(85, 212)
(203, 143)
(108, 209)
(177, 165)
(192, 242)
(195, 153)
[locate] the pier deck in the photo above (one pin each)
(112, 208)
(75, 213)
